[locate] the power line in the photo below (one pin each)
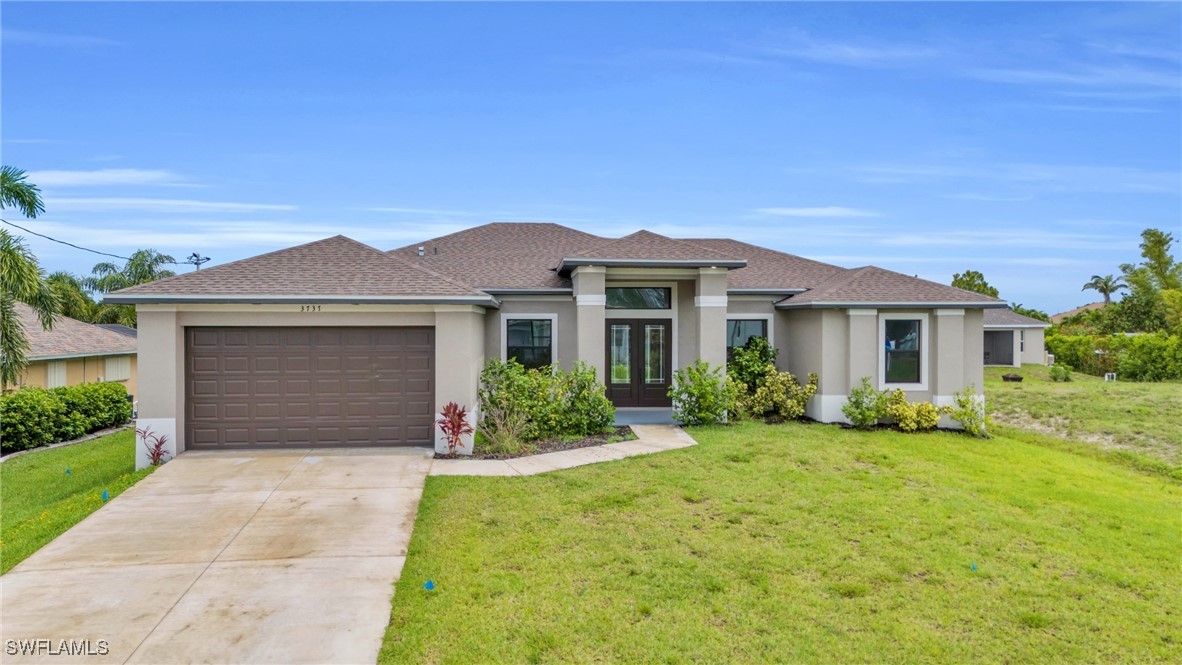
(70, 244)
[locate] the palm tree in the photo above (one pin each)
(73, 296)
(20, 277)
(145, 265)
(1106, 285)
(16, 193)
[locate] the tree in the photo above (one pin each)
(1032, 313)
(145, 265)
(971, 280)
(1106, 285)
(16, 193)
(73, 296)
(21, 278)
(1159, 271)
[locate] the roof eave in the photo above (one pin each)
(573, 262)
(86, 354)
(923, 304)
(174, 299)
(1001, 326)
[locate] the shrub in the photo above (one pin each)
(748, 364)
(701, 395)
(32, 417)
(970, 412)
(154, 444)
(1151, 357)
(519, 405)
(453, 422)
(913, 416)
(1060, 372)
(780, 394)
(865, 406)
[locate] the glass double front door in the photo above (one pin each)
(639, 361)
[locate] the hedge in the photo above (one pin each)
(1146, 357)
(32, 417)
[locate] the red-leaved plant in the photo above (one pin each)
(154, 444)
(453, 422)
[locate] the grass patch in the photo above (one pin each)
(794, 543)
(1137, 419)
(39, 500)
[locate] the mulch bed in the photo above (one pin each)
(553, 445)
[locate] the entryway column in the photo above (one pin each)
(590, 304)
(710, 303)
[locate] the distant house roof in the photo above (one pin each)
(1008, 318)
(871, 286)
(336, 269)
(70, 338)
(1058, 318)
(119, 328)
(476, 265)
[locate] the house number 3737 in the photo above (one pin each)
(309, 308)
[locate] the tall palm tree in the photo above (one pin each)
(16, 193)
(1106, 285)
(20, 277)
(73, 296)
(145, 265)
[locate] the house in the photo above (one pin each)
(1012, 339)
(75, 352)
(335, 343)
(1092, 306)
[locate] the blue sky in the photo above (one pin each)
(1032, 142)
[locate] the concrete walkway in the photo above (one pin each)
(229, 557)
(649, 439)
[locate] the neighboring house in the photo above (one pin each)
(1058, 318)
(1012, 339)
(335, 343)
(75, 352)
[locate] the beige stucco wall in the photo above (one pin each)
(78, 371)
(459, 344)
(1035, 353)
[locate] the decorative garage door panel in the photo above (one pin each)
(304, 387)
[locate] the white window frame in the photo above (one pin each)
(123, 362)
(924, 350)
(530, 316)
(56, 374)
(769, 318)
(673, 313)
(1021, 341)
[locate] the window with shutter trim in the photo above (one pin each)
(118, 368)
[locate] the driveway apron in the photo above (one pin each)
(227, 557)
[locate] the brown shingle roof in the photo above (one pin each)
(1008, 318)
(769, 269)
(871, 285)
(336, 267)
(648, 248)
(502, 255)
(69, 337)
(1058, 318)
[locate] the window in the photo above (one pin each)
(620, 363)
(740, 331)
(654, 353)
(639, 297)
(55, 374)
(902, 351)
(530, 341)
(118, 368)
(1022, 341)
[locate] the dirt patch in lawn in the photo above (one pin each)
(553, 445)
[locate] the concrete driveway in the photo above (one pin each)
(228, 557)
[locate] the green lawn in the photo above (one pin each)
(800, 543)
(39, 500)
(1141, 419)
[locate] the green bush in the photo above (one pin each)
(970, 412)
(1145, 357)
(913, 416)
(865, 406)
(519, 405)
(32, 417)
(1060, 372)
(702, 395)
(748, 364)
(779, 394)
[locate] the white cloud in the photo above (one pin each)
(1050, 177)
(157, 205)
(100, 177)
(856, 53)
(33, 38)
(422, 211)
(825, 211)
